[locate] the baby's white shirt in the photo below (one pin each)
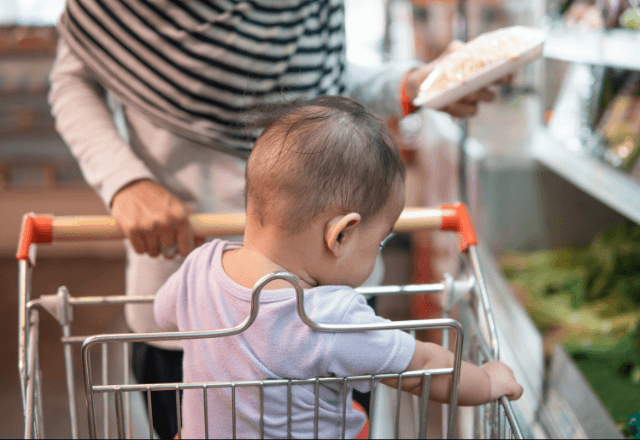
(201, 296)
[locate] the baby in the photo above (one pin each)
(324, 187)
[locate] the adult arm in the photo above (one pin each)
(85, 122)
(150, 216)
(378, 88)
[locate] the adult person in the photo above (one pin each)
(150, 97)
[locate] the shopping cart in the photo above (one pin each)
(468, 295)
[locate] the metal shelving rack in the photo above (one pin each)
(612, 48)
(612, 187)
(563, 146)
(567, 149)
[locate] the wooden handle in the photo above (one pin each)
(418, 219)
(45, 229)
(79, 228)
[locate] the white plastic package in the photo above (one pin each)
(479, 63)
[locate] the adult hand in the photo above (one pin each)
(466, 107)
(153, 219)
(584, 15)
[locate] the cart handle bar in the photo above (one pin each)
(46, 229)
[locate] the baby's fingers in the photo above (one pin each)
(517, 391)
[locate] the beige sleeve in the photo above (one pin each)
(86, 124)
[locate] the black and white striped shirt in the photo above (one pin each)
(197, 66)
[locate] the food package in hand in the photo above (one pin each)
(479, 63)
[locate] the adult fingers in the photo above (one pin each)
(153, 219)
(141, 210)
(454, 46)
(485, 95)
(137, 242)
(152, 241)
(505, 80)
(137, 236)
(183, 235)
(468, 106)
(462, 109)
(167, 241)
(184, 238)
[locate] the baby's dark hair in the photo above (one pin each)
(326, 154)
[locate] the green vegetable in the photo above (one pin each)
(614, 374)
(589, 301)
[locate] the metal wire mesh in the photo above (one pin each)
(495, 420)
(288, 384)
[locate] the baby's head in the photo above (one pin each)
(325, 185)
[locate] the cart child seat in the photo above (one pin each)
(492, 420)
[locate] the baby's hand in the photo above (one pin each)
(503, 382)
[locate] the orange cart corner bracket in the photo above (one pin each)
(456, 218)
(35, 230)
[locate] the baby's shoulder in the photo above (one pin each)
(201, 260)
(206, 252)
(334, 303)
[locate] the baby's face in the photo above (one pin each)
(359, 263)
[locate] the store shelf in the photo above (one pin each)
(615, 48)
(617, 190)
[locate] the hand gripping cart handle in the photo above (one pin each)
(487, 421)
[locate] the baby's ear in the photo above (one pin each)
(339, 230)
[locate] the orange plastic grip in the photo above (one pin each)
(456, 218)
(34, 230)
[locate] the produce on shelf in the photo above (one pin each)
(614, 374)
(630, 19)
(619, 126)
(593, 293)
(588, 300)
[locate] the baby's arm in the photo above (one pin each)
(478, 385)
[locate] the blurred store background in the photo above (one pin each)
(550, 170)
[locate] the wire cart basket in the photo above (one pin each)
(391, 413)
